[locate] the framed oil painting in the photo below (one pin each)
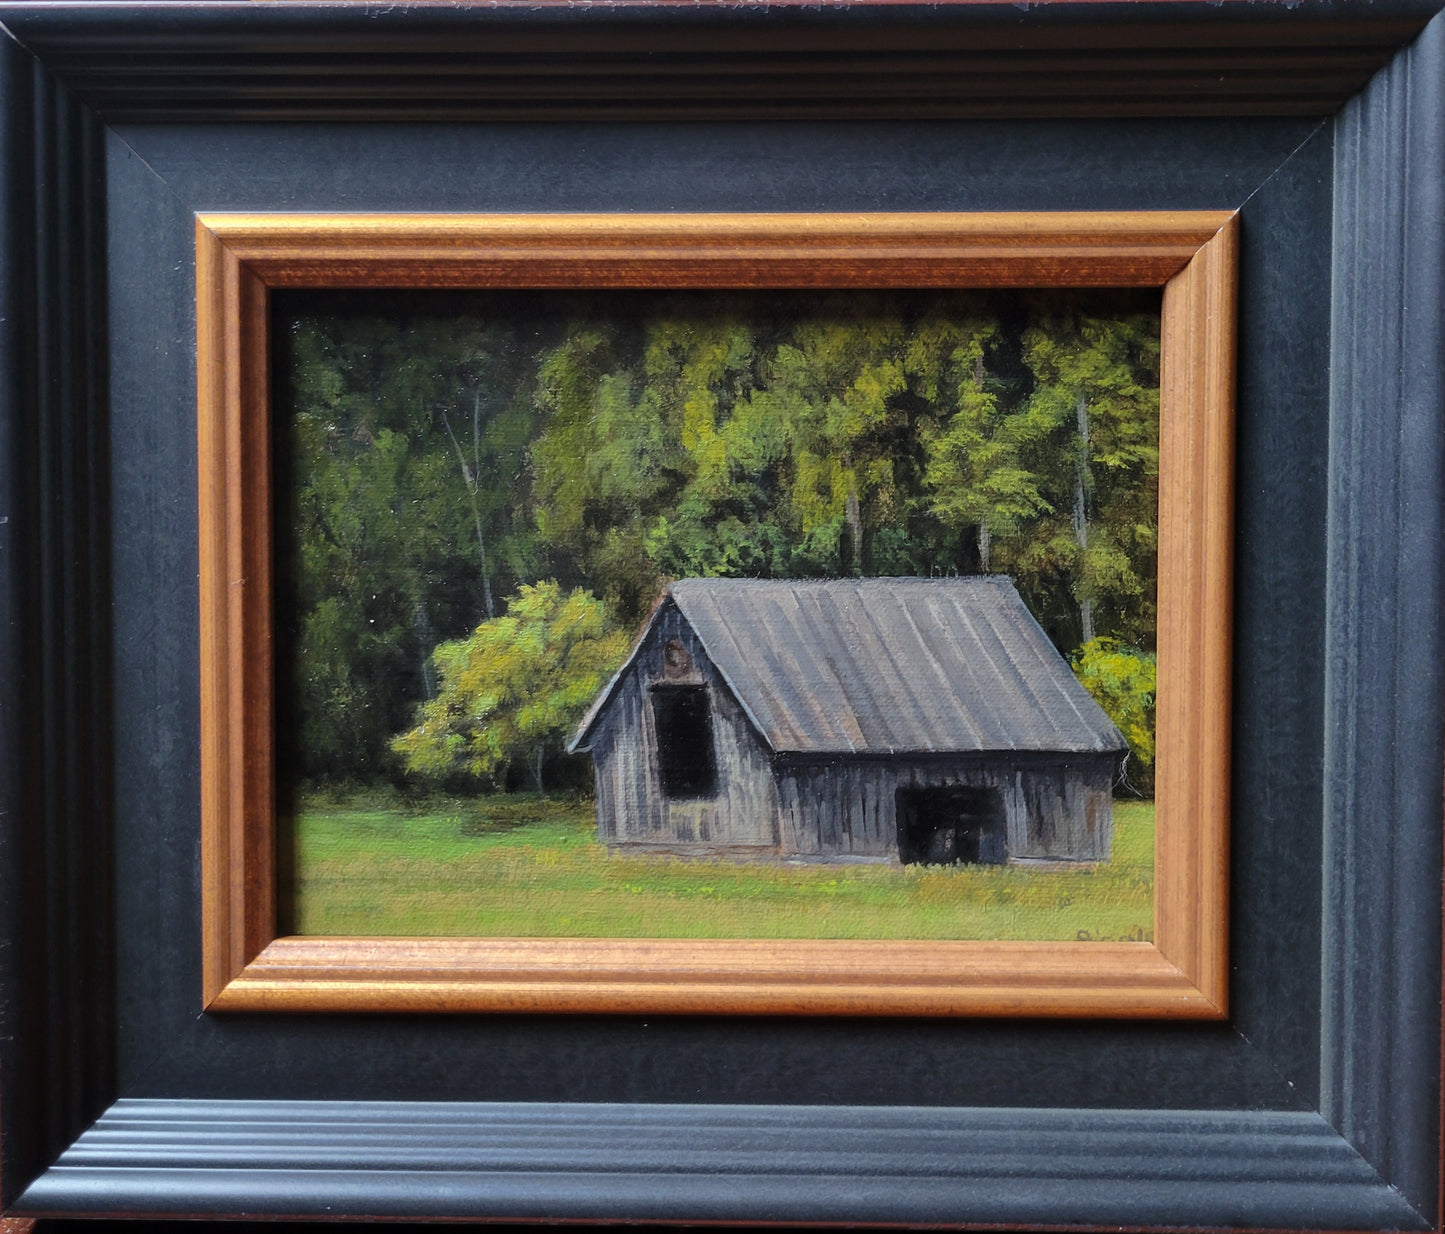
(450, 254)
(718, 613)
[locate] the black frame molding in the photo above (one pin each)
(1317, 1106)
(766, 1164)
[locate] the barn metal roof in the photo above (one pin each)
(888, 666)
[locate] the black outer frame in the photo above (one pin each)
(1356, 694)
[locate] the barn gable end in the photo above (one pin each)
(737, 812)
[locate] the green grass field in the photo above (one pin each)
(526, 867)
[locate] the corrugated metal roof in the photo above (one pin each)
(890, 665)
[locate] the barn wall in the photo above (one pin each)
(1071, 810)
(1053, 810)
(631, 808)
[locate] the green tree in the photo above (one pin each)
(723, 519)
(1123, 681)
(515, 689)
(977, 475)
(810, 452)
(403, 466)
(1092, 426)
(792, 443)
(609, 461)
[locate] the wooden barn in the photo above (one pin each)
(908, 719)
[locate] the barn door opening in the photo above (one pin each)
(682, 718)
(942, 826)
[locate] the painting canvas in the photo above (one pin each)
(717, 615)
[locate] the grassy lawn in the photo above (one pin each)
(527, 867)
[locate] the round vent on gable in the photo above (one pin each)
(676, 661)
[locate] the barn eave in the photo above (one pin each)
(1032, 754)
(580, 738)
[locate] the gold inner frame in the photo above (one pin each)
(1193, 256)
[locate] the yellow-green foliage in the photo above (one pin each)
(1122, 681)
(516, 687)
(520, 866)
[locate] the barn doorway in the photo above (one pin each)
(945, 826)
(682, 718)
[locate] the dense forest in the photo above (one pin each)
(481, 496)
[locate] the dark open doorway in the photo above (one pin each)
(940, 826)
(685, 761)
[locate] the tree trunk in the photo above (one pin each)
(476, 513)
(537, 769)
(854, 516)
(425, 636)
(470, 474)
(985, 532)
(1081, 515)
(487, 602)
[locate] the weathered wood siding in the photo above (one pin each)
(742, 813)
(1054, 810)
(1056, 807)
